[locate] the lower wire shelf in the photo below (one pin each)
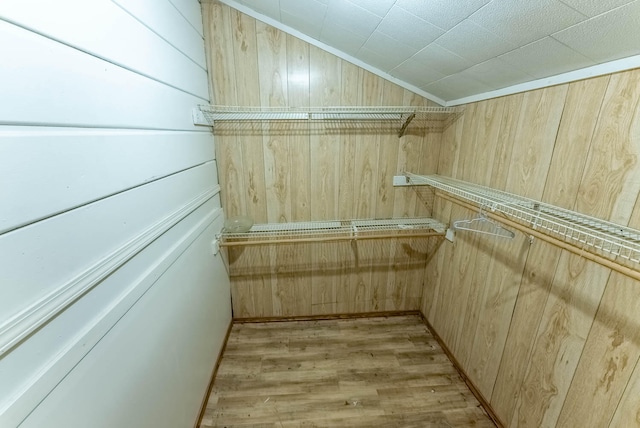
(337, 230)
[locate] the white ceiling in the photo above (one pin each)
(459, 50)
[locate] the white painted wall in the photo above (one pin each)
(113, 308)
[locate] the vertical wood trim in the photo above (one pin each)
(212, 378)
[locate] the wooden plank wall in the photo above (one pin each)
(549, 339)
(284, 173)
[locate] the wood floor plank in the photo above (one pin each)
(365, 372)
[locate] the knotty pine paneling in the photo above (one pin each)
(547, 337)
(288, 172)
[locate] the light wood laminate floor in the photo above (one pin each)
(366, 372)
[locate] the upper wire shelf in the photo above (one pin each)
(436, 118)
(273, 233)
(581, 230)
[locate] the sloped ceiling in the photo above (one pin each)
(456, 51)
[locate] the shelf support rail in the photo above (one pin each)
(581, 230)
(338, 230)
(406, 124)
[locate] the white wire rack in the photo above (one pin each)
(581, 230)
(338, 230)
(402, 115)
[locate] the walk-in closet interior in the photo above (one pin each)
(247, 213)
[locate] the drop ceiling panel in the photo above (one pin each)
(546, 57)
(593, 8)
(610, 36)
(417, 72)
(456, 86)
(342, 39)
(459, 49)
(377, 7)
(441, 60)
(268, 7)
(381, 62)
(408, 28)
(473, 42)
(525, 21)
(304, 24)
(310, 10)
(495, 72)
(445, 14)
(348, 15)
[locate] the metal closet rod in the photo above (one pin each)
(631, 273)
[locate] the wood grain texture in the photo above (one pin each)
(534, 141)
(295, 172)
(369, 372)
(609, 357)
(567, 318)
(573, 145)
(272, 73)
(532, 297)
(579, 118)
(387, 159)
(612, 176)
(299, 145)
(505, 140)
(498, 300)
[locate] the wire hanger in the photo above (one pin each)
(484, 225)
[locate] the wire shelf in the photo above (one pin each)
(581, 230)
(335, 230)
(434, 117)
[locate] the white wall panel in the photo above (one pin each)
(34, 368)
(167, 21)
(47, 83)
(44, 256)
(51, 170)
(112, 307)
(107, 31)
(192, 12)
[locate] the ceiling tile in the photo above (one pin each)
(597, 37)
(347, 15)
(408, 28)
(270, 8)
(395, 51)
(373, 58)
(445, 14)
(524, 21)
(456, 86)
(341, 38)
(496, 74)
(546, 57)
(441, 59)
(472, 42)
(377, 7)
(305, 24)
(592, 8)
(308, 10)
(415, 72)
